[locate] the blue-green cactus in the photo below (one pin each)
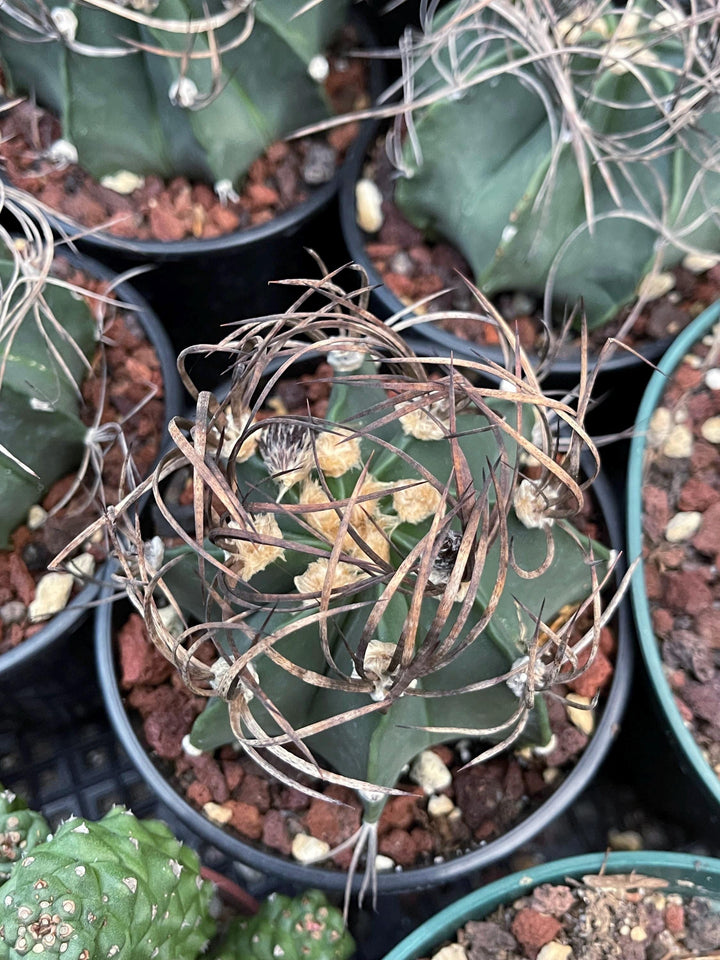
(47, 339)
(153, 111)
(561, 145)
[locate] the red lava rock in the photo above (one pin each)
(478, 791)
(165, 728)
(246, 819)
(653, 581)
(656, 511)
(674, 915)
(570, 741)
(209, 773)
(400, 846)
(513, 784)
(21, 580)
(140, 661)
(444, 752)
(595, 678)
(684, 710)
(199, 793)
(663, 621)
(687, 591)
(423, 840)
(704, 457)
(255, 790)
(707, 624)
(707, 539)
(533, 930)
(399, 812)
(333, 822)
(233, 772)
(697, 495)
(275, 833)
(703, 698)
(552, 899)
(293, 800)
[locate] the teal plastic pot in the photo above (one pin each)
(691, 758)
(687, 875)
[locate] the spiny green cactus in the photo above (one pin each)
(118, 887)
(397, 572)
(47, 336)
(148, 109)
(21, 830)
(564, 145)
(306, 927)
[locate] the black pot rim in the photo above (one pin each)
(568, 367)
(68, 619)
(413, 878)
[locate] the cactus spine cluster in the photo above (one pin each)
(47, 337)
(305, 927)
(564, 151)
(117, 887)
(175, 88)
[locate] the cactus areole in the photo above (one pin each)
(563, 153)
(175, 88)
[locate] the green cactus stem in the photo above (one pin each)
(559, 158)
(306, 927)
(118, 887)
(45, 355)
(21, 830)
(150, 108)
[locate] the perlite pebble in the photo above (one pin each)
(36, 517)
(430, 773)
(384, 863)
(368, 205)
(217, 813)
(712, 378)
(581, 718)
(124, 182)
(51, 596)
(699, 262)
(555, 951)
(661, 423)
(711, 430)
(683, 526)
(453, 951)
(82, 567)
(679, 443)
(307, 849)
(656, 285)
(625, 840)
(440, 805)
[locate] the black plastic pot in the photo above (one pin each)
(44, 679)
(623, 369)
(198, 287)
(269, 862)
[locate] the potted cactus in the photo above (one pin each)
(195, 92)
(125, 886)
(60, 389)
(566, 154)
(389, 570)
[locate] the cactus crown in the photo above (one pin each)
(566, 149)
(172, 87)
(370, 577)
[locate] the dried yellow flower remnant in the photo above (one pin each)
(425, 423)
(373, 533)
(234, 426)
(337, 452)
(417, 502)
(247, 558)
(313, 579)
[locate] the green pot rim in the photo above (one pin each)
(685, 867)
(640, 605)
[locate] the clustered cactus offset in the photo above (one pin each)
(175, 87)
(363, 581)
(567, 150)
(21, 829)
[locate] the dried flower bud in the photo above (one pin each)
(337, 452)
(313, 579)
(430, 423)
(417, 502)
(286, 449)
(246, 558)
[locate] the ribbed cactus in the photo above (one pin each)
(20, 831)
(379, 577)
(129, 100)
(305, 927)
(47, 335)
(117, 887)
(563, 144)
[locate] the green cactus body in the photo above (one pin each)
(306, 927)
(119, 887)
(376, 746)
(39, 400)
(491, 177)
(117, 110)
(20, 831)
